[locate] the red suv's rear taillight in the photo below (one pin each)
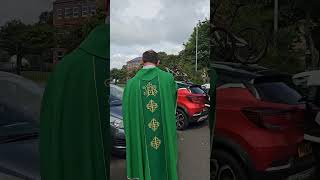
(198, 99)
(269, 118)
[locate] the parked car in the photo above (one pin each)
(192, 104)
(116, 121)
(206, 87)
(19, 127)
(20, 102)
(259, 126)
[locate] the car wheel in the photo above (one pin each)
(224, 166)
(182, 121)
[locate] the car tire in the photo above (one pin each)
(224, 166)
(182, 121)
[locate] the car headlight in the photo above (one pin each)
(116, 122)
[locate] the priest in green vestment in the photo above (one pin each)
(149, 105)
(74, 134)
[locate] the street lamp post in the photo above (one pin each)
(197, 27)
(275, 20)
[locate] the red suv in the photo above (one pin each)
(192, 104)
(259, 126)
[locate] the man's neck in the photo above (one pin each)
(148, 65)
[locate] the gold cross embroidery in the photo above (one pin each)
(154, 124)
(150, 90)
(155, 143)
(152, 106)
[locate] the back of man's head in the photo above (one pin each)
(150, 57)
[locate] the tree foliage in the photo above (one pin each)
(20, 39)
(288, 53)
(189, 52)
(119, 75)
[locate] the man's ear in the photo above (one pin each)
(158, 62)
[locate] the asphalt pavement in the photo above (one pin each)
(193, 157)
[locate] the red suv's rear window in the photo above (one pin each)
(278, 92)
(197, 90)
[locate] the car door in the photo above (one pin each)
(18, 156)
(7, 100)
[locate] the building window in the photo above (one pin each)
(60, 55)
(84, 10)
(68, 12)
(76, 12)
(60, 13)
(93, 10)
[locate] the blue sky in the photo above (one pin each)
(162, 25)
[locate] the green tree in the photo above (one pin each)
(12, 40)
(114, 74)
(19, 39)
(167, 60)
(285, 55)
(46, 17)
(119, 75)
(123, 75)
(189, 52)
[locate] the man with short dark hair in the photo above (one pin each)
(149, 105)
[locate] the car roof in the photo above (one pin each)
(187, 84)
(249, 73)
(307, 78)
(7, 74)
(22, 81)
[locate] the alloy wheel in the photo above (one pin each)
(222, 172)
(180, 120)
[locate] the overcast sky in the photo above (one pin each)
(162, 25)
(136, 25)
(27, 11)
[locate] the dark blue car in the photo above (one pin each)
(116, 120)
(19, 114)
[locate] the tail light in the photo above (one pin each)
(198, 99)
(273, 119)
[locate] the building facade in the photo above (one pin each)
(134, 64)
(70, 13)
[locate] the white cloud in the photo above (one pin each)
(162, 25)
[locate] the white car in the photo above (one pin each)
(206, 86)
(310, 80)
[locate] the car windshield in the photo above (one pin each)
(197, 90)
(278, 92)
(116, 94)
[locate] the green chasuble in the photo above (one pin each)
(149, 105)
(74, 134)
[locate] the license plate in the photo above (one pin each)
(303, 175)
(304, 149)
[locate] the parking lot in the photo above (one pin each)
(193, 155)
